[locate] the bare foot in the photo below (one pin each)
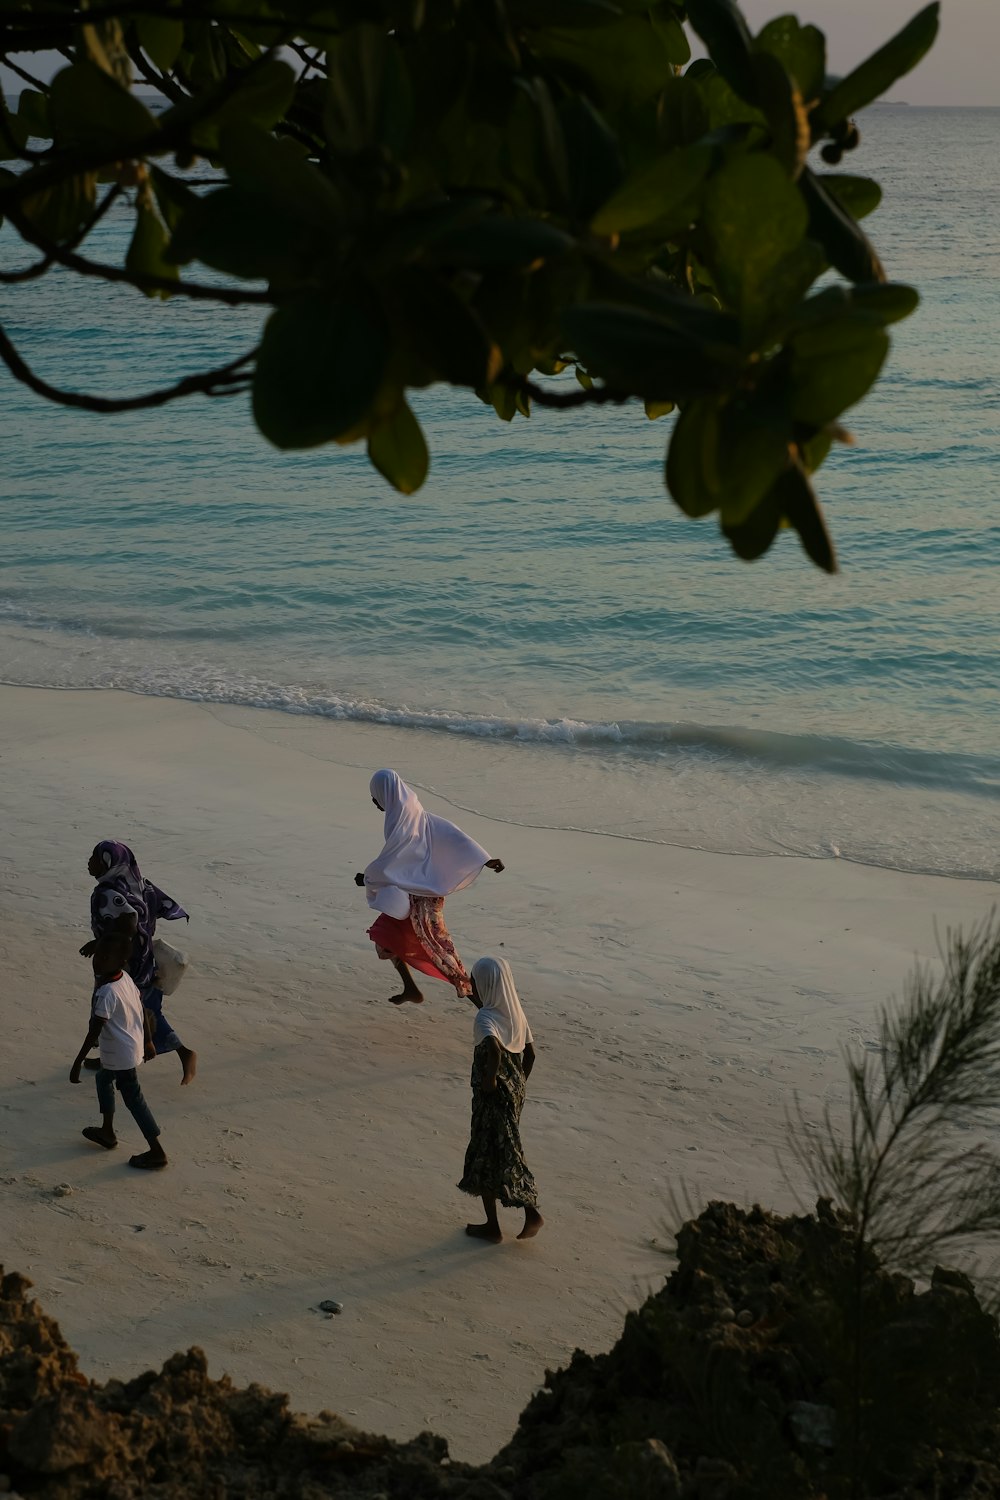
(533, 1222)
(189, 1062)
(485, 1232)
(101, 1137)
(151, 1160)
(412, 995)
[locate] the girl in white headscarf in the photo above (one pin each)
(425, 858)
(503, 1057)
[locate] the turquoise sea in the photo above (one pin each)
(542, 594)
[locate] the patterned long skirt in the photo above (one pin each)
(423, 941)
(494, 1162)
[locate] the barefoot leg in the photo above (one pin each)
(533, 1222)
(491, 1230)
(409, 990)
(189, 1064)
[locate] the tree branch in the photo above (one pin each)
(595, 395)
(62, 21)
(224, 381)
(35, 83)
(159, 140)
(230, 296)
(47, 261)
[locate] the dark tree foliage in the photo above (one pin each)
(479, 192)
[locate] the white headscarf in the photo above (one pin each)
(424, 855)
(500, 1015)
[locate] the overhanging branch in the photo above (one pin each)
(226, 380)
(143, 282)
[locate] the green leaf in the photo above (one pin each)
(628, 61)
(277, 171)
(692, 470)
(801, 50)
(161, 38)
(754, 220)
(857, 196)
(833, 364)
(368, 99)
(501, 241)
(682, 115)
(173, 198)
(320, 366)
(847, 248)
(262, 98)
(14, 138)
(752, 537)
(146, 253)
(655, 192)
(593, 160)
(87, 107)
(503, 401)
(237, 231)
(537, 13)
(656, 409)
(881, 301)
(754, 440)
(887, 301)
(871, 80)
(782, 106)
(673, 36)
(443, 331)
(259, 98)
(33, 114)
(61, 211)
(636, 352)
(398, 450)
(797, 502)
(721, 26)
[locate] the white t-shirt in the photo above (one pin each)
(121, 1040)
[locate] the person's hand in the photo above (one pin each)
(494, 864)
(74, 1072)
(148, 1052)
(359, 878)
(89, 949)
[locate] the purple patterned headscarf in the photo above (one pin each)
(120, 889)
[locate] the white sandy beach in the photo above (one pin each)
(678, 999)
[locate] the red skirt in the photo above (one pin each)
(396, 936)
(423, 941)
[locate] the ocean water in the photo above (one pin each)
(541, 599)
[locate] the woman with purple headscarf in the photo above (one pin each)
(122, 900)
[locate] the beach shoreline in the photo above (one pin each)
(680, 1001)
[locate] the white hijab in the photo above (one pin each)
(424, 855)
(500, 1015)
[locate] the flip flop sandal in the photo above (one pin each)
(147, 1163)
(96, 1134)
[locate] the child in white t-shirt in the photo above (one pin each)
(117, 1027)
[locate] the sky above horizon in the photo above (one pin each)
(960, 69)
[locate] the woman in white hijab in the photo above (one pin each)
(503, 1058)
(425, 858)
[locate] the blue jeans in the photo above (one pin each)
(165, 1038)
(127, 1084)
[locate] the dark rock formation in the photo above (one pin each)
(738, 1379)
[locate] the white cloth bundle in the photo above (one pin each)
(171, 965)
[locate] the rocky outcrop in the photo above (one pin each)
(740, 1378)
